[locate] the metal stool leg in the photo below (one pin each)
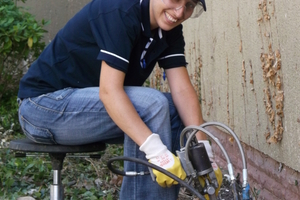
(56, 189)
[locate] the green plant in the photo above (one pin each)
(20, 176)
(20, 43)
(83, 179)
(255, 192)
(9, 117)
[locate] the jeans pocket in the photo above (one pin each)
(36, 134)
(59, 94)
(53, 102)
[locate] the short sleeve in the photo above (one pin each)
(174, 55)
(115, 31)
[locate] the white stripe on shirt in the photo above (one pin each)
(169, 56)
(112, 54)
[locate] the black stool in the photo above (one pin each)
(57, 154)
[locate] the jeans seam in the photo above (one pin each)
(45, 108)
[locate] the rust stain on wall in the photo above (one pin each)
(227, 95)
(195, 76)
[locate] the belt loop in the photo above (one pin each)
(19, 101)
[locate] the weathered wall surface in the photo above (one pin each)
(247, 55)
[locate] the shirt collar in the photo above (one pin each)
(146, 20)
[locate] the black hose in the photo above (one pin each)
(140, 161)
(236, 195)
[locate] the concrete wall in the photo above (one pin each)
(247, 55)
(57, 11)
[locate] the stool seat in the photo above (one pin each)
(30, 146)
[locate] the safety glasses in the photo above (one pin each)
(192, 7)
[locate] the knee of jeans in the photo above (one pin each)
(158, 101)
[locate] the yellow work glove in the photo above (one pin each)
(216, 169)
(158, 154)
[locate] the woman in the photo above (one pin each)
(86, 87)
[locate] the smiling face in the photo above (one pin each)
(166, 17)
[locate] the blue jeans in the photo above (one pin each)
(77, 116)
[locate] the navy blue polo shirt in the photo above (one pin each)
(115, 31)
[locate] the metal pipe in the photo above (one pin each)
(245, 173)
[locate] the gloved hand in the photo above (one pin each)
(158, 154)
(217, 170)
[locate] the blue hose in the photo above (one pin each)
(246, 192)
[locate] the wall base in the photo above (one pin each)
(268, 178)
